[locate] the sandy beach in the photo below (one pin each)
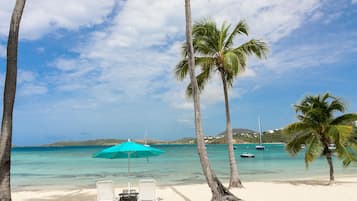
(293, 190)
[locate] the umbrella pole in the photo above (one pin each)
(128, 165)
(129, 172)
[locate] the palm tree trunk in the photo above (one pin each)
(9, 99)
(328, 153)
(219, 192)
(330, 163)
(234, 180)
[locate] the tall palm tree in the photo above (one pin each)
(219, 192)
(317, 128)
(9, 99)
(215, 53)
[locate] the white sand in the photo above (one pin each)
(297, 190)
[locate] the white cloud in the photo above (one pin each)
(40, 50)
(307, 56)
(354, 1)
(212, 94)
(25, 76)
(135, 55)
(42, 17)
(317, 16)
(331, 17)
(29, 84)
(32, 89)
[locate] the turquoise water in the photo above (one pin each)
(74, 166)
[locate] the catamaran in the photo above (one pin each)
(260, 146)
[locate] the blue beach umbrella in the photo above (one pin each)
(128, 150)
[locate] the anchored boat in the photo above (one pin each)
(247, 155)
(260, 146)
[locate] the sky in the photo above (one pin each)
(93, 69)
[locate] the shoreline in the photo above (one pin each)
(304, 189)
(106, 145)
(122, 185)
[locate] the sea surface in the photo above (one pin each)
(74, 166)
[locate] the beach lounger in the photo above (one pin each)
(147, 190)
(105, 191)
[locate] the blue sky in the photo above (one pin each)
(104, 68)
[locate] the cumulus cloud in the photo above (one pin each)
(212, 94)
(25, 76)
(29, 84)
(32, 89)
(136, 54)
(42, 17)
(311, 55)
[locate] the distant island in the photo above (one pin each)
(240, 136)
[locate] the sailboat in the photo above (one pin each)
(145, 139)
(260, 146)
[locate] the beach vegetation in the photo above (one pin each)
(322, 132)
(9, 100)
(215, 53)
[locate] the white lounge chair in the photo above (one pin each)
(147, 190)
(105, 191)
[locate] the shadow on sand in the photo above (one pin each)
(77, 196)
(314, 182)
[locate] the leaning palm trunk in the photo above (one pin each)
(219, 192)
(234, 180)
(9, 99)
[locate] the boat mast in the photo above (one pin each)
(260, 131)
(145, 137)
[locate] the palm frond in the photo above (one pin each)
(181, 69)
(231, 64)
(223, 34)
(242, 57)
(343, 152)
(313, 150)
(296, 127)
(294, 145)
(240, 28)
(202, 79)
(343, 119)
(206, 34)
(254, 47)
(344, 131)
(324, 97)
(336, 105)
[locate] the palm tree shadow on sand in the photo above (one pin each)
(77, 196)
(311, 182)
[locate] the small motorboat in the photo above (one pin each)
(259, 147)
(247, 155)
(331, 146)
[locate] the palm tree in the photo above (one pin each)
(219, 192)
(9, 99)
(215, 53)
(317, 128)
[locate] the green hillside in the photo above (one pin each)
(97, 142)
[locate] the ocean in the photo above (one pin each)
(74, 166)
